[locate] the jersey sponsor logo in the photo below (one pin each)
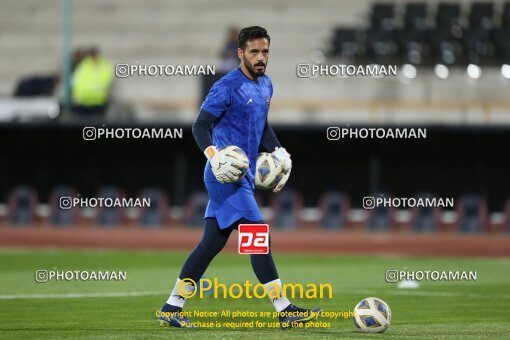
(253, 239)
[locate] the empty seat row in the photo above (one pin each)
(286, 210)
(450, 38)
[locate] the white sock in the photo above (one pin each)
(175, 299)
(279, 303)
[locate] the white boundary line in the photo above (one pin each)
(156, 293)
(80, 295)
(413, 292)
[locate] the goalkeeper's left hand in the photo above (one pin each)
(284, 157)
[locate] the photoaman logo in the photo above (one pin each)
(253, 239)
(188, 288)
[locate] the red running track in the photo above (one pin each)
(437, 244)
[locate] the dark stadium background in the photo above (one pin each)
(450, 162)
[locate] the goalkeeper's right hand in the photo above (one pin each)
(226, 169)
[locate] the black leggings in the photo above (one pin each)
(213, 241)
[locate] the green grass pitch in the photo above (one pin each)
(435, 310)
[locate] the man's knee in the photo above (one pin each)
(211, 247)
(245, 221)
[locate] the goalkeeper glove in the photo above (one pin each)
(284, 158)
(226, 169)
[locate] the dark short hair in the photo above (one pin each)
(251, 33)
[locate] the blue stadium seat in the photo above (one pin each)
(157, 214)
(63, 217)
(334, 207)
(381, 218)
(110, 217)
(22, 203)
(506, 222)
(286, 206)
(425, 219)
(472, 214)
(195, 209)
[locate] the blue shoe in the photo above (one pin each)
(173, 319)
(293, 314)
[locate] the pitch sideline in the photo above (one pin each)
(156, 293)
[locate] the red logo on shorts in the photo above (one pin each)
(253, 239)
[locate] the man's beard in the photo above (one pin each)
(254, 73)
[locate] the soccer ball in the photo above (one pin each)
(372, 315)
(237, 153)
(269, 171)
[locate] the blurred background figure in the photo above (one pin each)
(229, 58)
(77, 57)
(91, 84)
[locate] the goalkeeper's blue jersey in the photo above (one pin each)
(242, 105)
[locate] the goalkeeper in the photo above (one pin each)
(236, 108)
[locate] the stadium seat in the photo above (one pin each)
(380, 43)
(195, 209)
(345, 44)
(506, 221)
(334, 207)
(425, 219)
(286, 206)
(109, 217)
(413, 46)
(381, 218)
(157, 214)
(472, 214)
(381, 46)
(63, 217)
(446, 48)
(482, 15)
(502, 43)
(447, 15)
(505, 18)
(415, 17)
(478, 46)
(383, 17)
(22, 204)
(447, 41)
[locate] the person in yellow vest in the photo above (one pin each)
(92, 80)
